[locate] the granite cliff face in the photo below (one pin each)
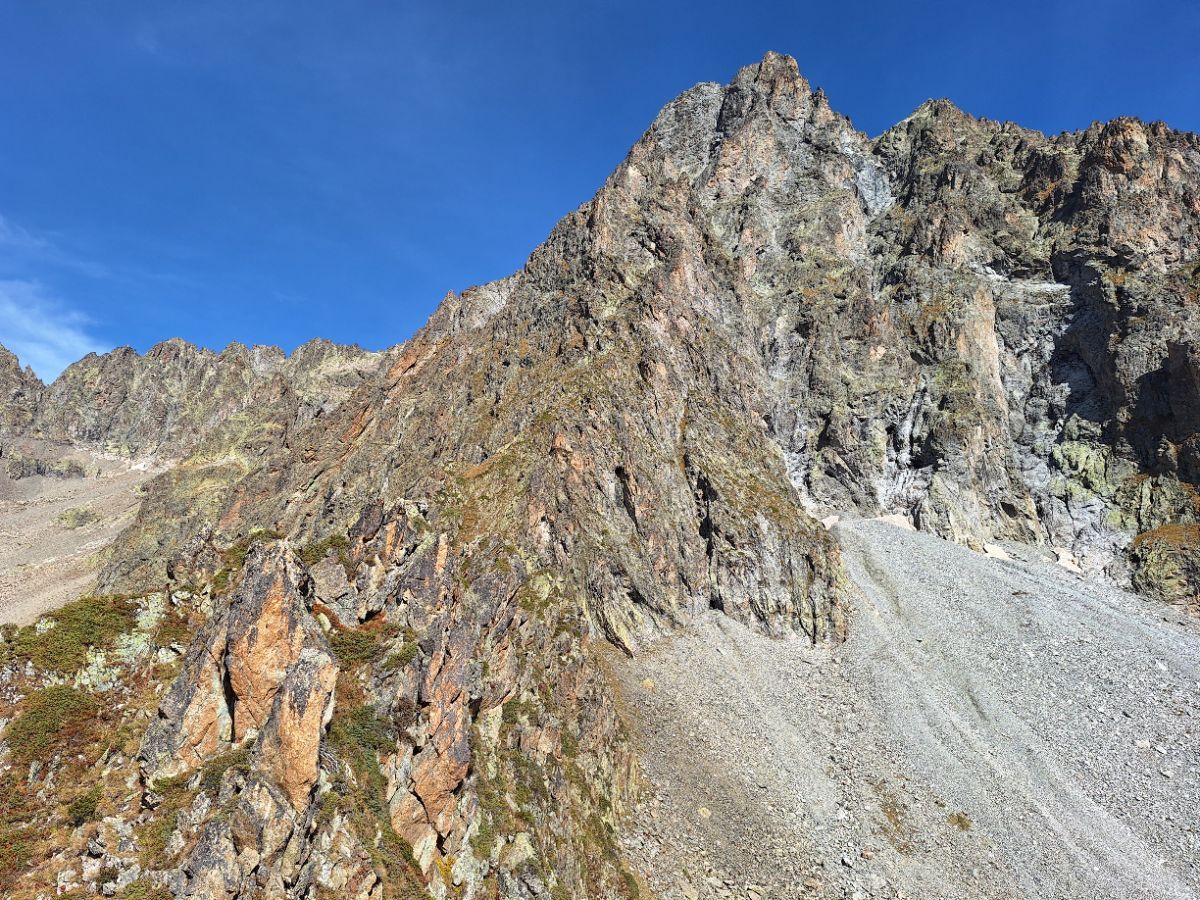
(421, 561)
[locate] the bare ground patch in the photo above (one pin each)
(53, 530)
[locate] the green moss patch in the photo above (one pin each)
(145, 889)
(402, 657)
(313, 554)
(355, 646)
(213, 772)
(369, 644)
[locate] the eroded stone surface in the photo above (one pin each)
(262, 668)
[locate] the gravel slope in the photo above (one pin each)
(52, 531)
(991, 729)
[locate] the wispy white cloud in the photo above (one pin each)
(14, 237)
(22, 246)
(42, 331)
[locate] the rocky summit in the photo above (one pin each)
(573, 594)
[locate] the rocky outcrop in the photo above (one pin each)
(262, 669)
(958, 322)
(289, 747)
(20, 391)
(248, 714)
(438, 755)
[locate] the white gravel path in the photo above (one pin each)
(991, 729)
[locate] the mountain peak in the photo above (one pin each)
(773, 69)
(774, 83)
(941, 110)
(19, 393)
(8, 359)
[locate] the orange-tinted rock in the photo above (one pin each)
(235, 669)
(265, 636)
(289, 745)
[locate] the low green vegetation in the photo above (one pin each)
(402, 657)
(570, 745)
(84, 807)
(214, 770)
(153, 837)
(53, 742)
(360, 732)
(233, 558)
(145, 889)
(58, 718)
(15, 857)
(355, 646)
(313, 554)
(174, 628)
(368, 644)
(512, 712)
(77, 517)
(358, 735)
(88, 623)
(27, 467)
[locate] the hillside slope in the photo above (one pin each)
(990, 729)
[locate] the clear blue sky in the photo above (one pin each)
(273, 170)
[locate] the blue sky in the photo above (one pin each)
(274, 170)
